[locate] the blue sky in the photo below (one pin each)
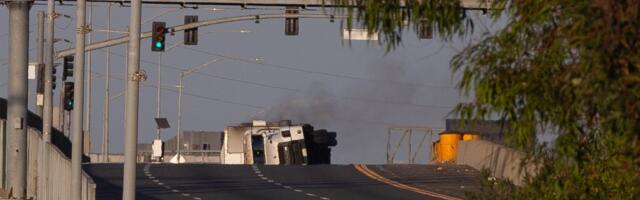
(354, 88)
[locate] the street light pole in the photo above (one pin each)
(178, 144)
(133, 78)
(47, 116)
(180, 88)
(105, 113)
(78, 99)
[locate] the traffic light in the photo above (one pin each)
(191, 35)
(40, 76)
(53, 78)
(291, 24)
(157, 36)
(67, 70)
(68, 96)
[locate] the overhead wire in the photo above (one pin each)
(312, 72)
(186, 93)
(307, 93)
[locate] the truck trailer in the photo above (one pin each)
(276, 143)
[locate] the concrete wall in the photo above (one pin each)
(58, 168)
(503, 162)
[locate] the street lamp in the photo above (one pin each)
(182, 75)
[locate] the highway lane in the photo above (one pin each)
(211, 181)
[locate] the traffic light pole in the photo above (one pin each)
(131, 107)
(78, 99)
(17, 101)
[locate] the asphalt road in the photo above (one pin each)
(211, 181)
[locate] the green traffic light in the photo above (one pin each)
(69, 105)
(159, 44)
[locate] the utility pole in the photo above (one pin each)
(89, 81)
(40, 61)
(42, 78)
(131, 107)
(47, 116)
(105, 112)
(17, 101)
(78, 99)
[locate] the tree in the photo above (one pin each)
(571, 67)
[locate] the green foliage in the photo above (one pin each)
(391, 17)
(567, 66)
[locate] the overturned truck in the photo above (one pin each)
(276, 143)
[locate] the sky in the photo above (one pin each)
(355, 88)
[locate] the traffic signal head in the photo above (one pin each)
(291, 24)
(191, 35)
(157, 36)
(68, 96)
(53, 77)
(67, 66)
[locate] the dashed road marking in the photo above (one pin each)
(150, 176)
(257, 171)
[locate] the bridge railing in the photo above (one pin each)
(54, 180)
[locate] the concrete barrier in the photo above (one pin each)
(58, 168)
(503, 162)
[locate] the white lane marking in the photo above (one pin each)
(150, 176)
(263, 177)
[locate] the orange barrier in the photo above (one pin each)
(447, 146)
